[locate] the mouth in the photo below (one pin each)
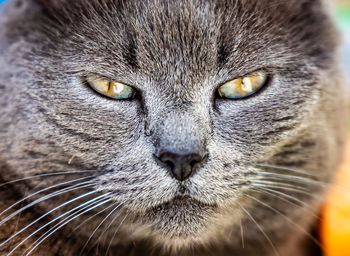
(181, 203)
(182, 200)
(181, 217)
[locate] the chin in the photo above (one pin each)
(179, 223)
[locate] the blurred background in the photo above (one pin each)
(342, 15)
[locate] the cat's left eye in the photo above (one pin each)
(244, 86)
(110, 88)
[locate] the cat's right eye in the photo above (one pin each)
(110, 88)
(244, 86)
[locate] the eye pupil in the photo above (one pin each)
(111, 88)
(244, 86)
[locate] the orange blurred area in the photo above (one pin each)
(336, 218)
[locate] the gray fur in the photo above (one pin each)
(176, 54)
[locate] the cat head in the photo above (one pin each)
(182, 160)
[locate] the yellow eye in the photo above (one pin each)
(110, 88)
(243, 86)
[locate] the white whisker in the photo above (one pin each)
(284, 197)
(291, 178)
(46, 214)
(109, 225)
(242, 234)
(44, 175)
(304, 181)
(54, 194)
(115, 232)
(53, 230)
(282, 185)
(95, 230)
(285, 168)
(261, 230)
(43, 190)
(91, 217)
(86, 204)
(289, 220)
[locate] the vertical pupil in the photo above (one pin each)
(110, 88)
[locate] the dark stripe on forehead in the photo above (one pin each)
(130, 55)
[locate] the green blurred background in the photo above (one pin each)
(342, 15)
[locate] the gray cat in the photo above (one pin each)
(167, 127)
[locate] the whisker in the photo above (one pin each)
(115, 233)
(291, 177)
(95, 230)
(284, 197)
(91, 217)
(320, 198)
(46, 214)
(109, 225)
(86, 204)
(44, 175)
(274, 192)
(261, 230)
(56, 193)
(289, 220)
(306, 181)
(54, 229)
(285, 168)
(307, 173)
(291, 189)
(282, 185)
(242, 234)
(43, 190)
(19, 215)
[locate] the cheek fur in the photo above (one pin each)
(176, 52)
(266, 119)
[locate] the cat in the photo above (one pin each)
(167, 127)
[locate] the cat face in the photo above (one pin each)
(176, 55)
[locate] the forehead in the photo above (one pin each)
(195, 38)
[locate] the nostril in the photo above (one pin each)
(170, 164)
(180, 165)
(193, 163)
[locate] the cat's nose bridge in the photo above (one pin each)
(180, 131)
(181, 134)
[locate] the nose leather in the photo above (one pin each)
(182, 166)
